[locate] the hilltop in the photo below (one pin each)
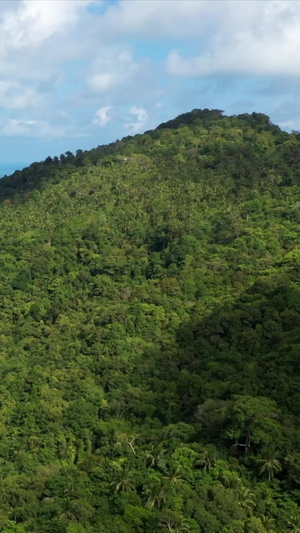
(150, 314)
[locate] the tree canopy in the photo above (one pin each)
(149, 332)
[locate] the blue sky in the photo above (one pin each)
(79, 73)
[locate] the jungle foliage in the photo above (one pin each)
(150, 334)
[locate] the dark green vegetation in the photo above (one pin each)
(150, 334)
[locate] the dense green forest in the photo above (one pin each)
(150, 334)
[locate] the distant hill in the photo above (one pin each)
(150, 318)
(6, 169)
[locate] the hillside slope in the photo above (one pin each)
(150, 334)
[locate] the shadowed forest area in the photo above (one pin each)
(150, 333)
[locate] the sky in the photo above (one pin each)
(75, 74)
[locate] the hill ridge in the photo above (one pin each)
(149, 333)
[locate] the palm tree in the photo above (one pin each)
(174, 475)
(177, 527)
(294, 524)
(246, 500)
(68, 511)
(204, 461)
(154, 457)
(174, 523)
(155, 494)
(270, 467)
(267, 496)
(268, 522)
(124, 484)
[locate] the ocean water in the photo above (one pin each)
(9, 168)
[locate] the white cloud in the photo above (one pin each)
(30, 128)
(102, 116)
(58, 60)
(38, 40)
(138, 125)
(14, 95)
(196, 66)
(261, 39)
(102, 82)
(290, 125)
(156, 19)
(114, 67)
(39, 129)
(34, 21)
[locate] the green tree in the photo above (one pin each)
(270, 467)
(253, 421)
(124, 484)
(154, 494)
(294, 523)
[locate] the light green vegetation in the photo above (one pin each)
(150, 334)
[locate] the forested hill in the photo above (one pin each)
(150, 334)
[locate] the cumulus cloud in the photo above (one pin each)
(102, 116)
(33, 22)
(59, 59)
(138, 125)
(263, 38)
